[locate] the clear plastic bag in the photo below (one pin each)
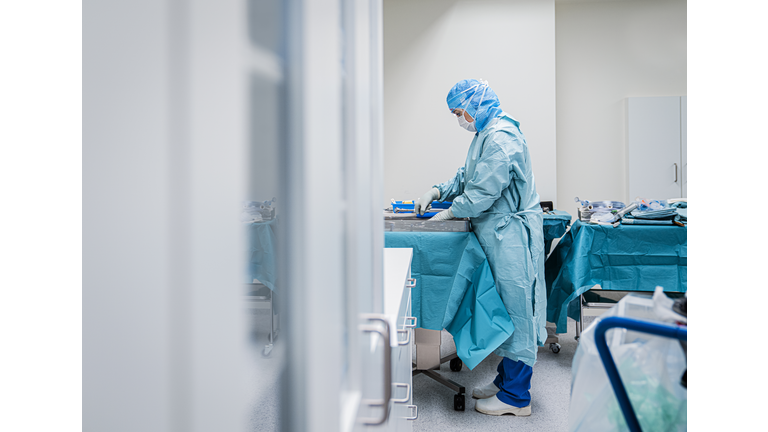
(650, 368)
(648, 205)
(257, 211)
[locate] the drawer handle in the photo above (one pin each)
(412, 324)
(407, 393)
(415, 412)
(407, 337)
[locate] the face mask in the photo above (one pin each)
(470, 126)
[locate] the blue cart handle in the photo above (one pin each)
(664, 330)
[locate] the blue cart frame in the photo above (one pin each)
(664, 330)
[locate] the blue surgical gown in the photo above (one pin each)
(496, 190)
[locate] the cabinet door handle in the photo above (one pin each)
(675, 172)
(411, 283)
(407, 393)
(384, 403)
(415, 412)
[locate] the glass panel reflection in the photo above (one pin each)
(260, 212)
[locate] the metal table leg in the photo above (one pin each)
(580, 322)
(459, 399)
(268, 347)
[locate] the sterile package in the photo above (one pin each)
(650, 367)
(257, 211)
(590, 208)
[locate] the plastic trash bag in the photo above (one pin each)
(650, 368)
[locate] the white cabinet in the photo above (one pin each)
(657, 141)
(397, 309)
(684, 142)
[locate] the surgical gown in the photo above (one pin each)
(496, 190)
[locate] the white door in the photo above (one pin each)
(190, 109)
(328, 172)
(654, 150)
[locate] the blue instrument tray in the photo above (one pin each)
(403, 207)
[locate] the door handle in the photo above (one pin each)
(675, 172)
(384, 403)
(407, 393)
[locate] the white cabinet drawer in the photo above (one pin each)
(397, 305)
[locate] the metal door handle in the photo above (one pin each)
(415, 412)
(675, 172)
(413, 325)
(411, 283)
(407, 393)
(407, 337)
(387, 370)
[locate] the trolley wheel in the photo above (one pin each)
(555, 347)
(456, 365)
(458, 402)
(267, 350)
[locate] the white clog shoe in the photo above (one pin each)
(493, 406)
(485, 391)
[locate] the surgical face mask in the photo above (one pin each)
(470, 126)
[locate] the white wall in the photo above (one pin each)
(608, 51)
(430, 45)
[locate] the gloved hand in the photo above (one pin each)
(443, 215)
(421, 204)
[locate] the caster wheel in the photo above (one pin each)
(267, 351)
(555, 347)
(458, 402)
(456, 365)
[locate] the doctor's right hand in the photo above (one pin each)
(421, 204)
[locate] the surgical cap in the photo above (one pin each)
(477, 98)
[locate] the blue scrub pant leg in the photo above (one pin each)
(514, 382)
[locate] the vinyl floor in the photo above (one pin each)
(550, 389)
(550, 392)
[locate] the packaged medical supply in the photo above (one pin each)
(602, 217)
(668, 213)
(257, 211)
(588, 208)
(650, 368)
(645, 205)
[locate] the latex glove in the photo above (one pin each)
(443, 215)
(421, 204)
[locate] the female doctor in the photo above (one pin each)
(496, 190)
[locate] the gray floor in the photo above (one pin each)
(550, 390)
(265, 380)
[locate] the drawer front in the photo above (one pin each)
(402, 373)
